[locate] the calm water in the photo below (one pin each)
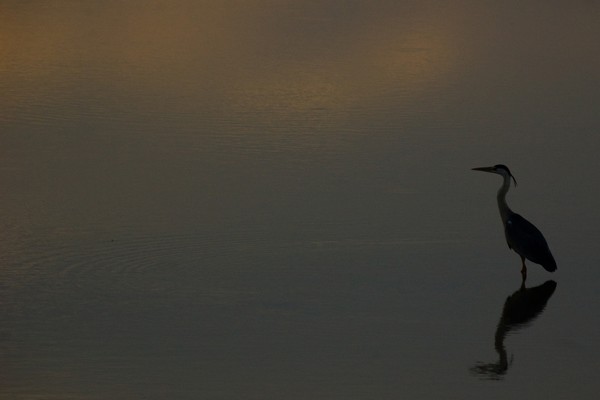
(273, 200)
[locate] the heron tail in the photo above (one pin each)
(550, 265)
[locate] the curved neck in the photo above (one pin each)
(502, 206)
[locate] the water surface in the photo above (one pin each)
(272, 200)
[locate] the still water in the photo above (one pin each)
(273, 199)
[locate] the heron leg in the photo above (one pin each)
(523, 269)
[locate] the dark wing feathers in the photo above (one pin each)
(528, 241)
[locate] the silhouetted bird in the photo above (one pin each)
(521, 235)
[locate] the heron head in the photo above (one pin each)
(499, 169)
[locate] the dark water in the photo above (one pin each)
(273, 200)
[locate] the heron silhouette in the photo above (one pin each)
(521, 235)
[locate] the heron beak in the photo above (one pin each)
(484, 169)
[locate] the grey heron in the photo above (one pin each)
(521, 235)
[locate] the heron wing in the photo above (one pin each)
(528, 241)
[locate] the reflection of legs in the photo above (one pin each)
(523, 269)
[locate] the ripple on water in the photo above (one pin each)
(158, 264)
(129, 269)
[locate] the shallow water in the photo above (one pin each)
(257, 199)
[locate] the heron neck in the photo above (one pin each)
(502, 206)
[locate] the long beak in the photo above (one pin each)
(493, 170)
(484, 169)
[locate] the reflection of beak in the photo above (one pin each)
(485, 169)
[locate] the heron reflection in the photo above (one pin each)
(521, 235)
(520, 309)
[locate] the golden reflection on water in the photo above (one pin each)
(412, 64)
(242, 58)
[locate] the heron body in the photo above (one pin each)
(521, 235)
